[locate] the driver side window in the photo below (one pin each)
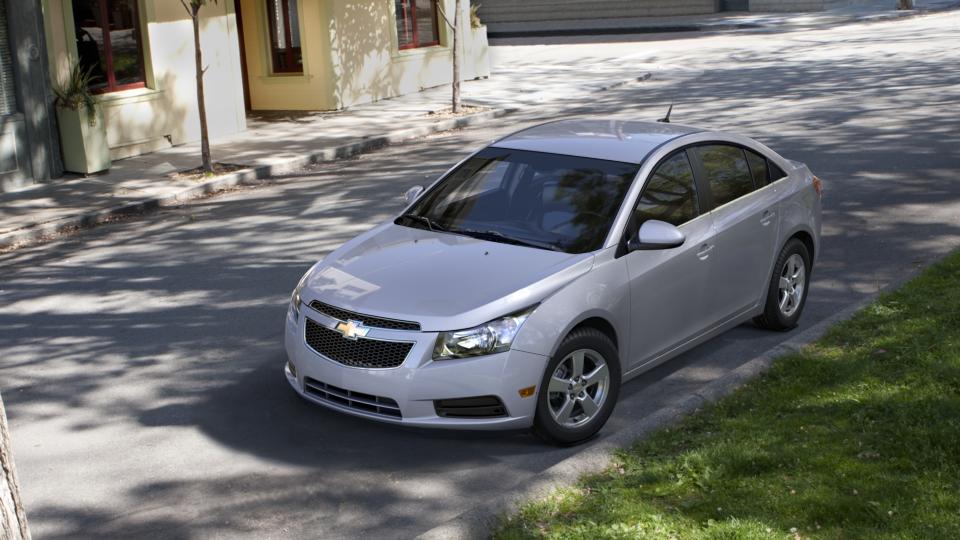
(670, 195)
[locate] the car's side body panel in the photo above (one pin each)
(746, 239)
(600, 293)
(736, 226)
(800, 207)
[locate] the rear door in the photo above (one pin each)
(745, 222)
(668, 287)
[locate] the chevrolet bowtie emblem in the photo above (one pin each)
(352, 329)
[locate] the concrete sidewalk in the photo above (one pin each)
(272, 144)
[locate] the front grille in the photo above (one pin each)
(354, 400)
(367, 320)
(472, 407)
(362, 352)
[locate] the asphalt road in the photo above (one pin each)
(141, 361)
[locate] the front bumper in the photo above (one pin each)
(416, 383)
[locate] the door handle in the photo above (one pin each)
(767, 217)
(704, 251)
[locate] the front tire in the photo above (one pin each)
(787, 291)
(579, 388)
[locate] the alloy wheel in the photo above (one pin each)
(792, 283)
(578, 388)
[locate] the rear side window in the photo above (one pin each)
(758, 168)
(763, 170)
(670, 194)
(726, 172)
(775, 173)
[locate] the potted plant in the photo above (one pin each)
(83, 134)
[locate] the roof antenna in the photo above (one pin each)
(666, 119)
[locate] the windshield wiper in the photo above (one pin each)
(431, 224)
(497, 236)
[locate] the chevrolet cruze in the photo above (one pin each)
(532, 279)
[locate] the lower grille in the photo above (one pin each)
(353, 400)
(361, 352)
(472, 407)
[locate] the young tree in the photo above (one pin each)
(455, 30)
(193, 8)
(13, 519)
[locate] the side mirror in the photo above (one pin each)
(655, 234)
(411, 194)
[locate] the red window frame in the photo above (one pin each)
(112, 85)
(411, 26)
(288, 53)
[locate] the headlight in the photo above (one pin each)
(295, 297)
(493, 337)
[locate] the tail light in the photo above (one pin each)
(818, 186)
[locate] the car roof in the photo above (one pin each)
(610, 139)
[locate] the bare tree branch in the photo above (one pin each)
(444, 15)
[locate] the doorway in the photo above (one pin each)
(238, 12)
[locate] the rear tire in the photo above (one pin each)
(787, 291)
(579, 388)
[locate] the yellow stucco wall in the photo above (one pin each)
(351, 56)
(368, 66)
(165, 112)
(268, 91)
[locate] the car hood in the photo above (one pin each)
(443, 281)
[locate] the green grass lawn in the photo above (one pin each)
(858, 436)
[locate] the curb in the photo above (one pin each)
(612, 86)
(39, 232)
(480, 521)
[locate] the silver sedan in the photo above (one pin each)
(531, 280)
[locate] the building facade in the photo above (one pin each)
(259, 54)
(141, 55)
(331, 54)
(28, 143)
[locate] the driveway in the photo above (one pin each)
(141, 361)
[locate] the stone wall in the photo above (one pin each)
(513, 11)
(499, 11)
(786, 5)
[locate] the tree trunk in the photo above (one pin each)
(13, 519)
(456, 56)
(201, 104)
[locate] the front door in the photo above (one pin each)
(15, 167)
(668, 287)
(243, 54)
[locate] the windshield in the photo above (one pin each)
(548, 201)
